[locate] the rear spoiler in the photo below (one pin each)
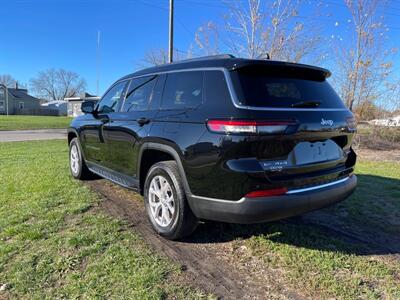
(279, 66)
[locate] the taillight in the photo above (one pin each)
(244, 126)
(267, 193)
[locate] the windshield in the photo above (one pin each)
(264, 87)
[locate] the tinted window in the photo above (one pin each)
(216, 88)
(111, 100)
(139, 94)
(157, 92)
(183, 90)
(263, 88)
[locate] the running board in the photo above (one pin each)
(116, 177)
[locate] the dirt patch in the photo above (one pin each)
(208, 258)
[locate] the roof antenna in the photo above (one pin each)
(98, 62)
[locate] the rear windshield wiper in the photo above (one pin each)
(306, 104)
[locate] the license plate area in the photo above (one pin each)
(306, 153)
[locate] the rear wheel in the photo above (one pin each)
(166, 204)
(77, 164)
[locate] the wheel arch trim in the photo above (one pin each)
(169, 150)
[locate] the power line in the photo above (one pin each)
(178, 19)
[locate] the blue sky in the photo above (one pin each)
(40, 34)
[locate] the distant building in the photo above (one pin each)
(61, 106)
(74, 104)
(389, 122)
(18, 102)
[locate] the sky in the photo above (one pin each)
(40, 34)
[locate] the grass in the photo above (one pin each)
(55, 243)
(324, 265)
(33, 122)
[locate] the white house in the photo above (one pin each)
(74, 104)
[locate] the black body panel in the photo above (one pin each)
(223, 166)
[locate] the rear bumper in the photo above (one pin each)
(263, 209)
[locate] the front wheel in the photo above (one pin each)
(166, 204)
(77, 164)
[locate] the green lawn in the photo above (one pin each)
(322, 264)
(55, 242)
(33, 122)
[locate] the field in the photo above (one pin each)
(63, 239)
(56, 243)
(33, 122)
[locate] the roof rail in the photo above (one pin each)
(218, 56)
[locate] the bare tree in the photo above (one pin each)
(259, 29)
(7, 80)
(363, 63)
(158, 57)
(206, 38)
(58, 84)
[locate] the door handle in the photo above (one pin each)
(143, 121)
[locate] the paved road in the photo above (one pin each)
(32, 135)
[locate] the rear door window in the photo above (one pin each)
(263, 87)
(139, 94)
(183, 90)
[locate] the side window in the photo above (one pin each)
(216, 88)
(109, 102)
(183, 90)
(139, 94)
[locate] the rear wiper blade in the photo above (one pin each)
(306, 104)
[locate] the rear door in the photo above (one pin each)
(126, 128)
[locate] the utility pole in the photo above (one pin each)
(171, 31)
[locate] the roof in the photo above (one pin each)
(54, 102)
(21, 94)
(81, 99)
(226, 61)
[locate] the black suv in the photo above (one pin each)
(220, 138)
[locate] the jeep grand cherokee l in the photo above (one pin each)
(220, 138)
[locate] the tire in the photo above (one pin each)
(77, 164)
(182, 222)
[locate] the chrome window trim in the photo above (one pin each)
(232, 92)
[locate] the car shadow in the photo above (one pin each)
(364, 224)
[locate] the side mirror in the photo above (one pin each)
(87, 107)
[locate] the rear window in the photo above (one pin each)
(279, 89)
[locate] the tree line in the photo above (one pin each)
(361, 61)
(52, 84)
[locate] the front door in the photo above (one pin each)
(127, 129)
(94, 143)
